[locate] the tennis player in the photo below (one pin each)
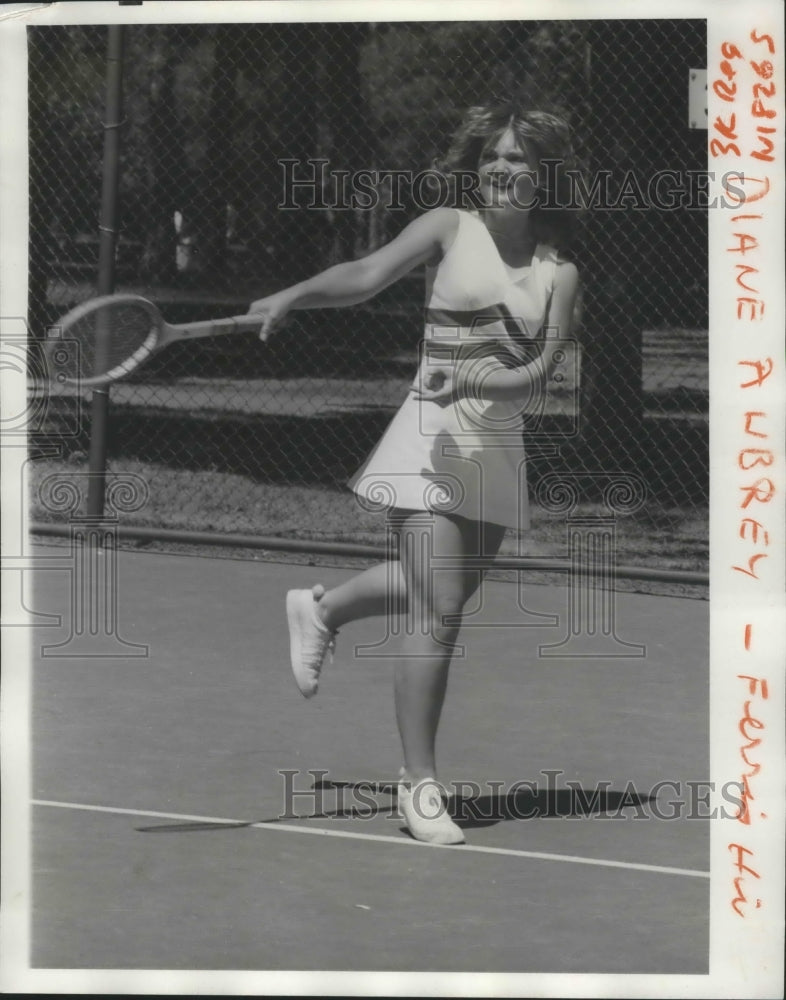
(450, 469)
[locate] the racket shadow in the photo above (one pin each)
(195, 827)
(368, 811)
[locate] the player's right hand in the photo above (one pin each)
(272, 311)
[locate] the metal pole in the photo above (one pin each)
(107, 229)
(354, 549)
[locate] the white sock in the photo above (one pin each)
(317, 620)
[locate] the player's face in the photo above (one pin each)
(507, 172)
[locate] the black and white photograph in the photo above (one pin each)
(393, 498)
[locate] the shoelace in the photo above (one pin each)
(330, 644)
(317, 646)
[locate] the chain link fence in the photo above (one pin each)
(231, 435)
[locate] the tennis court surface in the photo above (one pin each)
(192, 811)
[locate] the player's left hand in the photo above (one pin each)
(435, 385)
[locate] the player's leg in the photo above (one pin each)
(432, 552)
(379, 590)
(314, 616)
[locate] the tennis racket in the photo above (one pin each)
(107, 338)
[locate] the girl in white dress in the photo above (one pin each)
(450, 469)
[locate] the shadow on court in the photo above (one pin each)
(469, 812)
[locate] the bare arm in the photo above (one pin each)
(488, 378)
(359, 280)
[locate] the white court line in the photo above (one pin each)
(379, 838)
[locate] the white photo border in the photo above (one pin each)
(748, 634)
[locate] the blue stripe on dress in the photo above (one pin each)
(474, 319)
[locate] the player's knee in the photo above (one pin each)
(445, 617)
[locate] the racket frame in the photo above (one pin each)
(161, 334)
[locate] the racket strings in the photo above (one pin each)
(110, 337)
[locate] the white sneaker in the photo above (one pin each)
(309, 638)
(425, 812)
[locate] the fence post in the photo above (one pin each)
(107, 229)
(93, 615)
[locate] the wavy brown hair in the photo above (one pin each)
(553, 218)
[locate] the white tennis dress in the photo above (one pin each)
(466, 458)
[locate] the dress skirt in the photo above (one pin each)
(466, 459)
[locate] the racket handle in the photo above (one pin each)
(213, 328)
(242, 324)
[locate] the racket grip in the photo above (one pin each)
(213, 328)
(238, 324)
(247, 323)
